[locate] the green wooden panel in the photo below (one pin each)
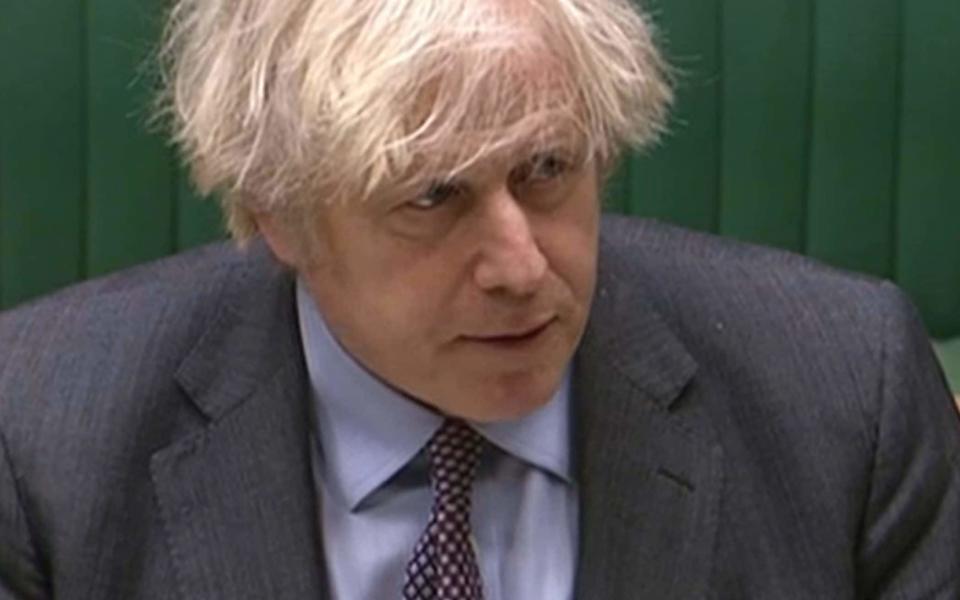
(928, 259)
(786, 132)
(854, 135)
(131, 181)
(766, 111)
(198, 219)
(949, 354)
(678, 181)
(41, 146)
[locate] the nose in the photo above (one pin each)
(510, 259)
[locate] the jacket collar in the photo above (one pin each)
(236, 495)
(650, 468)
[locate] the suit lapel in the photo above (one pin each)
(648, 468)
(237, 497)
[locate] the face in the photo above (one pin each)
(468, 295)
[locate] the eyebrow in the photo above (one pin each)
(416, 180)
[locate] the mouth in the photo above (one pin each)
(515, 339)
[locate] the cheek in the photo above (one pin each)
(381, 325)
(408, 305)
(570, 243)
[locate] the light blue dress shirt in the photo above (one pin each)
(373, 487)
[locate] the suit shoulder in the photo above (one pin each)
(791, 337)
(678, 259)
(630, 236)
(132, 295)
(132, 326)
(701, 282)
(179, 270)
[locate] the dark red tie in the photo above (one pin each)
(444, 564)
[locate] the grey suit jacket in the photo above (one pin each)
(749, 424)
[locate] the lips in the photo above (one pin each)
(515, 337)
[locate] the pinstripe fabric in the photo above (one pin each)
(749, 424)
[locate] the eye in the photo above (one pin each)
(436, 195)
(541, 168)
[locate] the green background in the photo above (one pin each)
(830, 128)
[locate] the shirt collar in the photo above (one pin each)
(369, 431)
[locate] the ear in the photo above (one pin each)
(278, 238)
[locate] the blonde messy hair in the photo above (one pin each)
(279, 105)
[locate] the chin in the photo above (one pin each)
(513, 397)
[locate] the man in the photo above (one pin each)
(433, 371)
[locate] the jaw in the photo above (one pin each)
(502, 394)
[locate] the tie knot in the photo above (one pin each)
(454, 451)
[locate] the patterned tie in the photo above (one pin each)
(444, 566)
